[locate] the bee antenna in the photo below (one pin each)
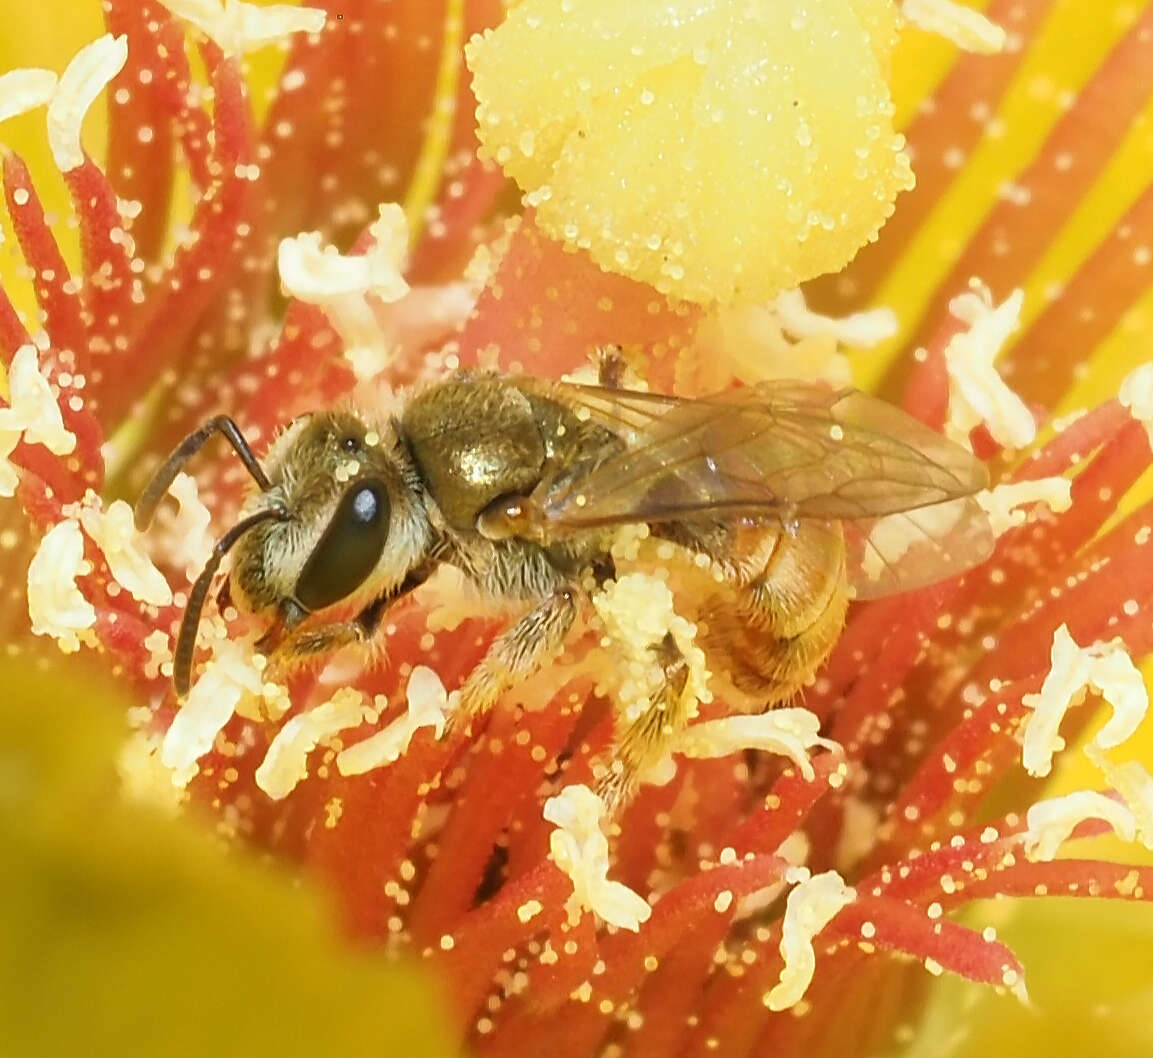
(190, 622)
(158, 487)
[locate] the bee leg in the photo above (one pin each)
(518, 652)
(611, 366)
(304, 643)
(291, 643)
(642, 741)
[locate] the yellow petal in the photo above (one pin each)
(122, 926)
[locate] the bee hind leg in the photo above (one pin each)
(642, 741)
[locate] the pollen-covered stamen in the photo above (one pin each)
(209, 259)
(228, 680)
(1050, 823)
(579, 848)
(966, 28)
(755, 342)
(314, 273)
(861, 330)
(158, 643)
(428, 705)
(341, 283)
(1135, 785)
(809, 908)
(33, 415)
(1136, 394)
(238, 27)
(32, 409)
(9, 478)
(977, 393)
(637, 612)
(144, 778)
(55, 604)
(1003, 503)
(285, 765)
(184, 538)
(423, 317)
(1104, 667)
(81, 83)
(60, 303)
(114, 533)
(24, 90)
(790, 732)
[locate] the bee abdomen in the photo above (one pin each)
(782, 624)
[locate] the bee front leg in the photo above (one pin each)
(642, 742)
(304, 643)
(292, 642)
(518, 652)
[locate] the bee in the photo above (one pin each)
(784, 488)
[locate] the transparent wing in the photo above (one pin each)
(783, 448)
(910, 549)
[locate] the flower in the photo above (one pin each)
(752, 897)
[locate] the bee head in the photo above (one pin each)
(354, 520)
(337, 517)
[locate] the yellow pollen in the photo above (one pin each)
(702, 148)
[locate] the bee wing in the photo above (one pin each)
(784, 448)
(910, 549)
(631, 414)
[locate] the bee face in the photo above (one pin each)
(353, 519)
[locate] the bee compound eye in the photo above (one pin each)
(349, 549)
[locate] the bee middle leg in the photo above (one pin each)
(518, 652)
